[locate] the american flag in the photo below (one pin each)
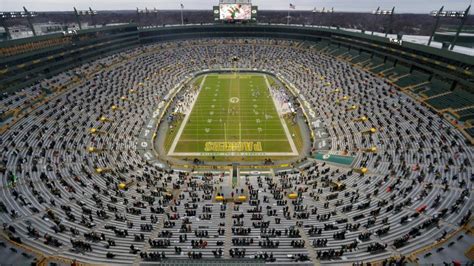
(182, 6)
(292, 6)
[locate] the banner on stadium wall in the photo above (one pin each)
(331, 158)
(321, 133)
(323, 144)
(150, 156)
(144, 144)
(317, 123)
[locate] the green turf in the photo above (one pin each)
(233, 108)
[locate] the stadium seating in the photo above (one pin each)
(456, 99)
(435, 87)
(414, 79)
(108, 205)
(466, 114)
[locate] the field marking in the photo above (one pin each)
(220, 140)
(288, 139)
(240, 110)
(235, 153)
(283, 123)
(185, 121)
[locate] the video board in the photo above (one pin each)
(235, 11)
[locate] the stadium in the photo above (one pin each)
(235, 142)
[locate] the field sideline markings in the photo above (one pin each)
(240, 113)
(234, 132)
(234, 153)
(238, 130)
(185, 121)
(283, 123)
(222, 140)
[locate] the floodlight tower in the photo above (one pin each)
(390, 25)
(155, 11)
(324, 11)
(375, 22)
(93, 13)
(80, 13)
(28, 16)
(145, 12)
(385, 13)
(3, 23)
(463, 16)
(78, 20)
(436, 14)
(4, 16)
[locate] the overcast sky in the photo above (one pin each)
(402, 6)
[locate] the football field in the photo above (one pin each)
(233, 115)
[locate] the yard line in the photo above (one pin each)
(228, 109)
(240, 132)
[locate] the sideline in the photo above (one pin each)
(283, 123)
(185, 121)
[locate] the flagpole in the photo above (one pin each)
(288, 17)
(182, 21)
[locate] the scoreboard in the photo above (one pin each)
(235, 10)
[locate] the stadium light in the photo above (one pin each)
(145, 12)
(375, 22)
(438, 15)
(322, 11)
(28, 15)
(92, 14)
(462, 15)
(87, 12)
(20, 14)
(451, 14)
(380, 12)
(461, 25)
(17, 14)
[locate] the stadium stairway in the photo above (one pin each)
(228, 229)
